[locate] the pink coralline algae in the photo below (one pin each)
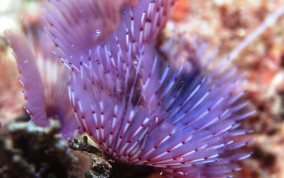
(135, 105)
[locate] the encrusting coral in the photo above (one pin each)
(138, 108)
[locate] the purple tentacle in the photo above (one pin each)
(29, 77)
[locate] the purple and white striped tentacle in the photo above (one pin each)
(199, 118)
(219, 168)
(45, 86)
(145, 20)
(55, 78)
(140, 26)
(29, 77)
(104, 94)
(77, 27)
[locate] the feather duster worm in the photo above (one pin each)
(138, 108)
(45, 86)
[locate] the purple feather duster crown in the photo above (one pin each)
(134, 104)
